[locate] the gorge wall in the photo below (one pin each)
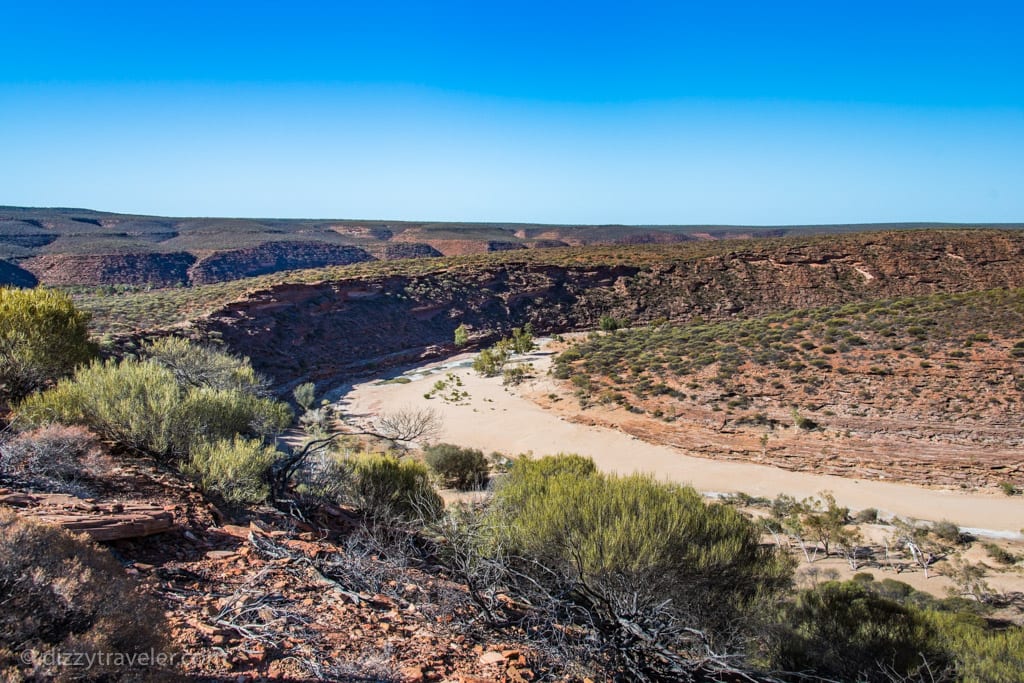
(332, 329)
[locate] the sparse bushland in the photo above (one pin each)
(659, 362)
(43, 336)
(143, 406)
(462, 468)
(53, 458)
(62, 593)
(197, 408)
(849, 372)
(659, 583)
(491, 361)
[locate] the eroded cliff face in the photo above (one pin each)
(160, 270)
(333, 329)
(271, 257)
(166, 269)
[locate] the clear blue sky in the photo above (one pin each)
(591, 112)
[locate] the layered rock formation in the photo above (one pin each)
(327, 329)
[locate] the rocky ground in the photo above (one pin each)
(269, 596)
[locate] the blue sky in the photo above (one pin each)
(725, 112)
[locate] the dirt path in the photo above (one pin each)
(494, 418)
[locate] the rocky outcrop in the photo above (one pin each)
(332, 328)
(272, 257)
(400, 250)
(465, 247)
(160, 270)
(101, 521)
(12, 275)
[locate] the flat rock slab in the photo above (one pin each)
(102, 521)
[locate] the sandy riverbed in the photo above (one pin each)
(495, 418)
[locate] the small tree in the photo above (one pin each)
(522, 339)
(609, 324)
(923, 546)
(489, 362)
(305, 395)
(461, 335)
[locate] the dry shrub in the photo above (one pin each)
(54, 458)
(62, 593)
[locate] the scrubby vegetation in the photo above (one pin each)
(461, 468)
(43, 336)
(793, 363)
(142, 405)
(64, 594)
(655, 581)
(52, 458)
(235, 469)
(491, 361)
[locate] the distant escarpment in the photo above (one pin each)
(271, 257)
(160, 270)
(12, 275)
(398, 250)
(333, 328)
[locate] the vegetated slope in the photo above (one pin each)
(942, 374)
(83, 247)
(320, 330)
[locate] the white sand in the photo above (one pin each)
(497, 419)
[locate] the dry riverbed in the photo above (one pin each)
(482, 413)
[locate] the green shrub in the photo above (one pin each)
(305, 395)
(636, 548)
(461, 335)
(866, 516)
(490, 362)
(235, 469)
(1000, 554)
(197, 365)
(42, 337)
(141, 405)
(948, 531)
(386, 487)
(129, 402)
(982, 654)
(461, 468)
(515, 374)
(846, 631)
(63, 593)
